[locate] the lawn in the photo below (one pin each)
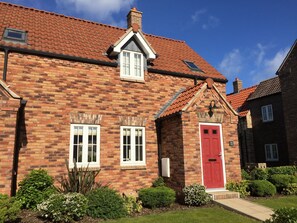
(207, 214)
(278, 202)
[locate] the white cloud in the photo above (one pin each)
(99, 9)
(197, 15)
(231, 65)
(206, 21)
(212, 22)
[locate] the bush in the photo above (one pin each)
(105, 203)
(282, 181)
(245, 175)
(79, 180)
(241, 187)
(259, 174)
(195, 195)
(9, 208)
(132, 205)
(284, 215)
(290, 170)
(64, 207)
(262, 188)
(291, 189)
(36, 187)
(157, 197)
(159, 182)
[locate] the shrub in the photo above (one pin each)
(157, 197)
(159, 182)
(259, 174)
(262, 188)
(291, 189)
(9, 208)
(195, 195)
(36, 187)
(241, 187)
(132, 205)
(79, 180)
(105, 203)
(290, 170)
(284, 215)
(282, 181)
(245, 175)
(64, 207)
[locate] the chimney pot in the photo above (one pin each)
(134, 17)
(237, 85)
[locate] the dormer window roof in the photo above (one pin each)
(15, 35)
(192, 66)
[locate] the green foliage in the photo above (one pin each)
(132, 205)
(291, 189)
(9, 208)
(64, 207)
(290, 170)
(259, 174)
(241, 187)
(105, 203)
(282, 181)
(36, 187)
(284, 215)
(79, 180)
(262, 188)
(195, 195)
(159, 182)
(157, 197)
(245, 175)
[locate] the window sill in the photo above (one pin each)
(143, 167)
(84, 168)
(131, 79)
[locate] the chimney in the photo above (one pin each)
(134, 17)
(237, 85)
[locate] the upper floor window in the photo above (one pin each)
(267, 113)
(271, 152)
(132, 65)
(84, 145)
(132, 146)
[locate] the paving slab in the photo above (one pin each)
(247, 208)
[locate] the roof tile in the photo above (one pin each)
(266, 88)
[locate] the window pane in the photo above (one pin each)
(137, 65)
(126, 144)
(92, 140)
(264, 114)
(274, 152)
(138, 145)
(270, 115)
(126, 63)
(77, 143)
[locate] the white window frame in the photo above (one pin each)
(267, 113)
(132, 66)
(84, 162)
(133, 162)
(269, 152)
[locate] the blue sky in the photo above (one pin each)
(244, 39)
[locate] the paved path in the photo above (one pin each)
(247, 208)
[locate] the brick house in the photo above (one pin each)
(287, 74)
(262, 134)
(110, 98)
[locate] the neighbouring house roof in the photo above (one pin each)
(57, 34)
(266, 88)
(7, 91)
(239, 100)
(289, 58)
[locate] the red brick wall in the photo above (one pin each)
(288, 80)
(55, 88)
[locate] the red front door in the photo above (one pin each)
(212, 156)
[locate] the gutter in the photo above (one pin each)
(17, 146)
(6, 51)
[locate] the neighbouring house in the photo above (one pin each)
(238, 100)
(287, 74)
(113, 99)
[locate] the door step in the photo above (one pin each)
(220, 195)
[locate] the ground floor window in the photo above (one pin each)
(132, 145)
(84, 145)
(271, 152)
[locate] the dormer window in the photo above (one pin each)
(132, 65)
(15, 35)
